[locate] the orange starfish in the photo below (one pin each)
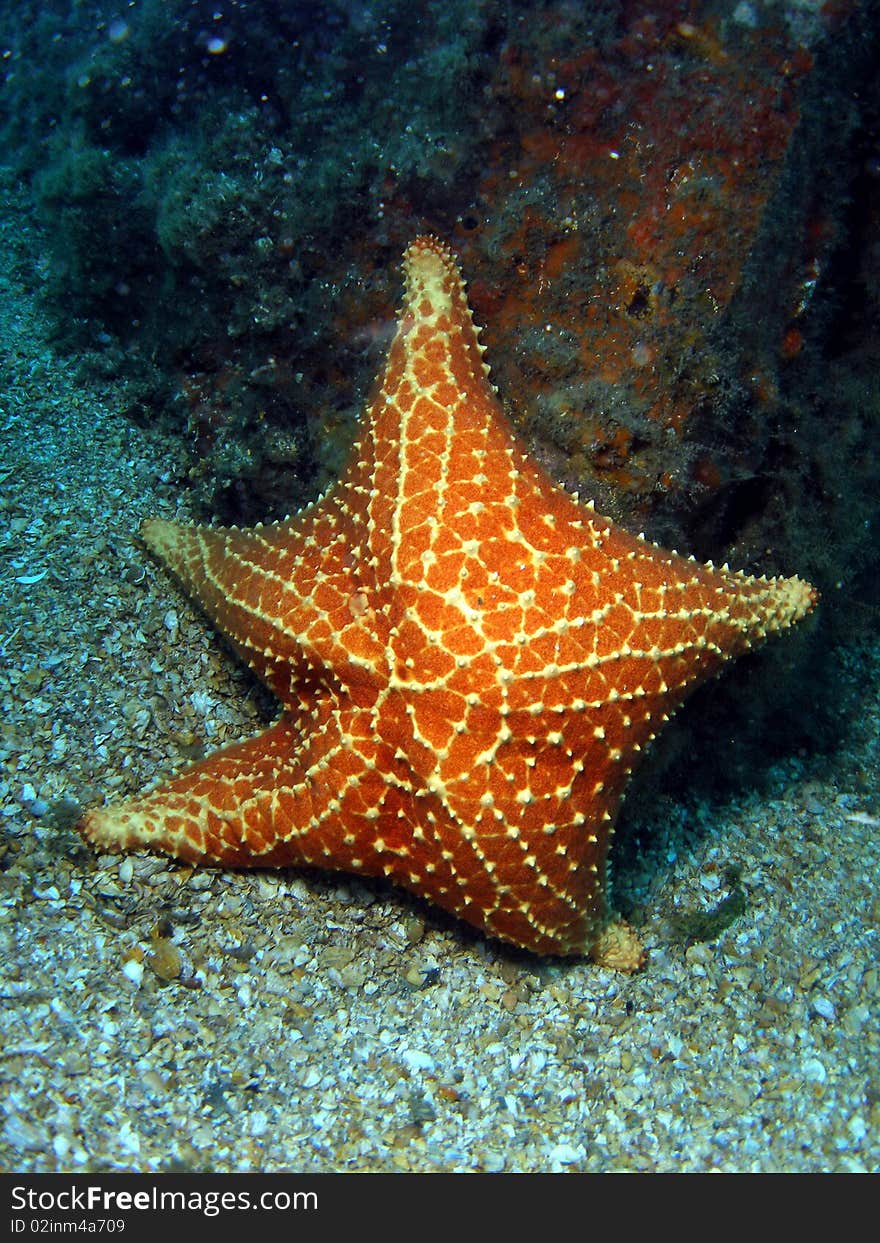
(469, 661)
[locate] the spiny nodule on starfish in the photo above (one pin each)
(469, 661)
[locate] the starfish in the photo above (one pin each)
(469, 660)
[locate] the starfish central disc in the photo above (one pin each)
(469, 661)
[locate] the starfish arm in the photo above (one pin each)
(271, 801)
(274, 801)
(212, 812)
(289, 600)
(435, 433)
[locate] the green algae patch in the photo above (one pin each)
(690, 927)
